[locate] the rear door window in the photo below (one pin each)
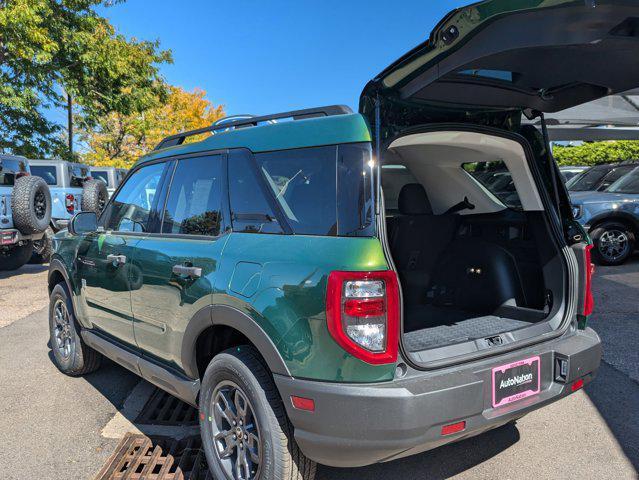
(48, 173)
(10, 170)
(497, 179)
(194, 204)
(77, 175)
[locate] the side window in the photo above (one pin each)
(194, 205)
(497, 179)
(250, 210)
(131, 208)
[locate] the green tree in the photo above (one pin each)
(593, 153)
(52, 49)
(119, 140)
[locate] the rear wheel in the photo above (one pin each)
(12, 258)
(71, 355)
(614, 243)
(245, 431)
(42, 248)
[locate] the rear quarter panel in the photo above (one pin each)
(280, 282)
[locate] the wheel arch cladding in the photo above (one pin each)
(227, 320)
(615, 216)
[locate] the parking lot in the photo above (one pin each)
(57, 427)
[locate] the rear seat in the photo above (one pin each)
(418, 239)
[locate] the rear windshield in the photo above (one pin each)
(48, 173)
(628, 184)
(101, 175)
(10, 170)
(77, 175)
(496, 178)
(321, 190)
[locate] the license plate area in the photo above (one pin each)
(515, 381)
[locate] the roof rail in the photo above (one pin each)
(243, 121)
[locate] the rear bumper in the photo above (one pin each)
(357, 425)
(11, 236)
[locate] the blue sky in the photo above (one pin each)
(266, 56)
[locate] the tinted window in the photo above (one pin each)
(194, 203)
(77, 175)
(130, 209)
(250, 210)
(394, 177)
(303, 181)
(496, 178)
(614, 175)
(48, 173)
(627, 184)
(589, 180)
(355, 203)
(101, 175)
(10, 170)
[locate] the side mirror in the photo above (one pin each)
(83, 222)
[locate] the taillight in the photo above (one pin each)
(362, 311)
(589, 301)
(69, 202)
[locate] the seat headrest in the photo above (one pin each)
(413, 200)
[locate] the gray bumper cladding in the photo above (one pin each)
(356, 425)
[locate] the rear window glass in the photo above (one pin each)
(322, 190)
(496, 178)
(394, 177)
(10, 170)
(101, 175)
(48, 173)
(77, 175)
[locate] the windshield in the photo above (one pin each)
(587, 180)
(627, 184)
(48, 173)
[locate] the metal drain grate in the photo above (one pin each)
(138, 457)
(164, 409)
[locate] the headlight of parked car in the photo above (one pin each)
(576, 211)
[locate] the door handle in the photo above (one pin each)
(117, 260)
(194, 272)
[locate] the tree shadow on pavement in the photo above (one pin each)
(443, 462)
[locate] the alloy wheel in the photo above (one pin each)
(62, 328)
(236, 435)
(40, 205)
(613, 244)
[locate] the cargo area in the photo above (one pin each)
(470, 240)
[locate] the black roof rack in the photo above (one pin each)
(251, 121)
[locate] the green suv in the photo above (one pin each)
(350, 288)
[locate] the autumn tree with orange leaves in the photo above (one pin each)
(119, 140)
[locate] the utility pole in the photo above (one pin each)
(70, 122)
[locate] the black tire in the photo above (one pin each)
(614, 243)
(281, 458)
(12, 258)
(94, 196)
(79, 358)
(43, 248)
(31, 205)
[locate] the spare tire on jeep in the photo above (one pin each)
(31, 205)
(94, 196)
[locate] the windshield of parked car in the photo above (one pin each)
(588, 180)
(47, 172)
(627, 184)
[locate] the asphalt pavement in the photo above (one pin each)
(56, 427)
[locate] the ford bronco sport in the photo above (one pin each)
(25, 211)
(342, 288)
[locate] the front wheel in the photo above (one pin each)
(614, 243)
(70, 354)
(245, 431)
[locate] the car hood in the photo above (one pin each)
(586, 198)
